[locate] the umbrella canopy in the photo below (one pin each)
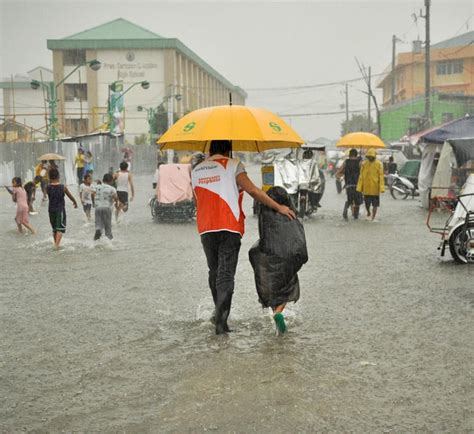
(250, 129)
(360, 140)
(51, 156)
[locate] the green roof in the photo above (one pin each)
(458, 41)
(122, 34)
(116, 29)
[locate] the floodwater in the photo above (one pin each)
(116, 337)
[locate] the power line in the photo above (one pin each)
(310, 86)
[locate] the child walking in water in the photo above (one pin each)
(19, 196)
(57, 206)
(104, 196)
(86, 191)
(122, 180)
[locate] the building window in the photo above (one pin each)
(75, 92)
(76, 127)
(447, 117)
(449, 68)
(74, 57)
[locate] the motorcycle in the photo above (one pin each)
(458, 232)
(301, 178)
(401, 187)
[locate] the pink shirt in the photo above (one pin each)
(20, 195)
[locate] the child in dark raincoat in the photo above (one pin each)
(277, 257)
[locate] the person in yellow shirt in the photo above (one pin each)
(80, 162)
(42, 169)
(371, 182)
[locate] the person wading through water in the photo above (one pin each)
(350, 170)
(218, 184)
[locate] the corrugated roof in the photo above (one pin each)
(457, 41)
(116, 29)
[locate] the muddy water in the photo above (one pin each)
(115, 336)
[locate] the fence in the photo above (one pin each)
(20, 158)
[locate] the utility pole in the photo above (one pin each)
(347, 103)
(426, 16)
(394, 43)
(371, 95)
(369, 77)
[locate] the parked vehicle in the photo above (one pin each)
(405, 182)
(298, 174)
(401, 187)
(458, 231)
(173, 199)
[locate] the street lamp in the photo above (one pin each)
(113, 102)
(170, 99)
(51, 94)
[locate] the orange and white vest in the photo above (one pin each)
(219, 201)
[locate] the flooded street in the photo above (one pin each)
(115, 337)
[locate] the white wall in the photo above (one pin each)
(29, 108)
(147, 65)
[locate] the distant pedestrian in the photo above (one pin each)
(371, 183)
(85, 195)
(80, 162)
(42, 169)
(30, 188)
(104, 197)
(89, 163)
(350, 170)
(57, 206)
(19, 196)
(123, 179)
(391, 166)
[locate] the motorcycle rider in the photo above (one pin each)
(350, 170)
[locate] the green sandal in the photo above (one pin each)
(280, 323)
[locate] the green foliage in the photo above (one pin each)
(358, 122)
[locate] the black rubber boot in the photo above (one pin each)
(344, 213)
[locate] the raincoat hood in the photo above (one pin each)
(371, 153)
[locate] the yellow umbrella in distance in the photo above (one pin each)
(360, 140)
(250, 129)
(51, 156)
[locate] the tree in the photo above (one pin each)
(358, 123)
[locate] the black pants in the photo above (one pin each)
(80, 174)
(222, 253)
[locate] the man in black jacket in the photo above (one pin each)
(350, 170)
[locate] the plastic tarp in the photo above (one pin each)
(279, 254)
(458, 129)
(174, 183)
(427, 171)
(442, 177)
(463, 150)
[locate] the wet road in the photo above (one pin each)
(115, 336)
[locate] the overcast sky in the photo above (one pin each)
(256, 45)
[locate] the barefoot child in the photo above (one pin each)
(30, 188)
(104, 197)
(20, 198)
(85, 194)
(123, 179)
(57, 206)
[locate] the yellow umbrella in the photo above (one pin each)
(250, 129)
(51, 156)
(360, 140)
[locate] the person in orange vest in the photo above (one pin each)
(218, 183)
